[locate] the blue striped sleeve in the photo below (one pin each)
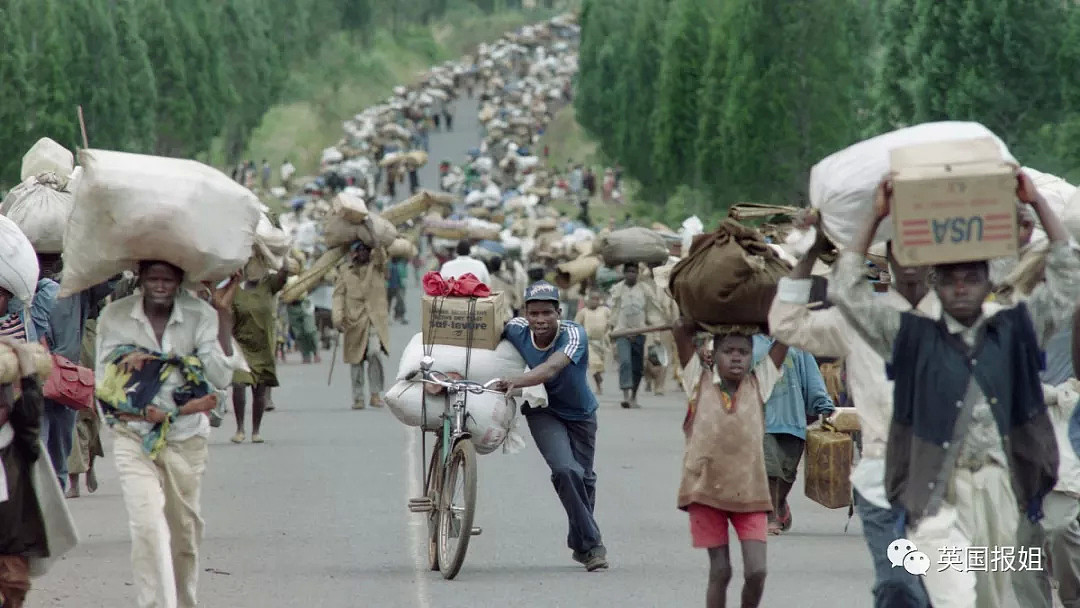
(577, 343)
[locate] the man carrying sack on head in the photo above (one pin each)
(362, 313)
(971, 447)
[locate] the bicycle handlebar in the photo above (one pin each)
(434, 377)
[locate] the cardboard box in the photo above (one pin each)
(447, 320)
(953, 202)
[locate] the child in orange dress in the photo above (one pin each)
(723, 479)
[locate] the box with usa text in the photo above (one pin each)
(953, 201)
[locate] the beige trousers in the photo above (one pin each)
(981, 511)
(162, 500)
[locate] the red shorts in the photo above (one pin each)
(709, 526)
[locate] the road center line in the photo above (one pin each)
(417, 525)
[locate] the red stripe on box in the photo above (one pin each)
(997, 237)
(997, 216)
(914, 222)
(914, 243)
(907, 233)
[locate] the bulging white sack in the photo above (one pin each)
(18, 263)
(491, 420)
(484, 365)
(131, 207)
(842, 185)
(268, 253)
(40, 207)
(47, 156)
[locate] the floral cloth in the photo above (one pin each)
(123, 392)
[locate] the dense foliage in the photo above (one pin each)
(167, 76)
(712, 102)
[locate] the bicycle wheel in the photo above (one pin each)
(434, 479)
(457, 508)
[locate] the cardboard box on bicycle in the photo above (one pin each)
(953, 201)
(447, 320)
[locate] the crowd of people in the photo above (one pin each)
(963, 377)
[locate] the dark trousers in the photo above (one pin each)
(396, 299)
(631, 354)
(57, 426)
(893, 587)
(568, 447)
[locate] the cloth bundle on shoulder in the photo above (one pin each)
(728, 278)
(132, 207)
(269, 251)
(40, 206)
(373, 231)
(632, 245)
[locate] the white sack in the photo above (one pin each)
(18, 262)
(1057, 193)
(491, 420)
(842, 185)
(331, 156)
(47, 156)
(40, 207)
(131, 207)
(484, 365)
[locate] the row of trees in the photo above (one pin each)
(735, 100)
(165, 76)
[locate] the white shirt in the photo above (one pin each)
(192, 329)
(827, 333)
(464, 264)
(307, 234)
(322, 297)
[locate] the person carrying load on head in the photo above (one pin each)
(362, 312)
(162, 354)
(971, 446)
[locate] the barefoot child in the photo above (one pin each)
(724, 476)
(594, 318)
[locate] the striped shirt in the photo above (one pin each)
(569, 394)
(11, 326)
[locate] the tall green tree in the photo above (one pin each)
(102, 82)
(786, 106)
(675, 121)
(638, 99)
(53, 95)
(15, 108)
(140, 77)
(175, 104)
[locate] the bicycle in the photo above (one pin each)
(453, 460)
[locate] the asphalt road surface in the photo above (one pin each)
(317, 515)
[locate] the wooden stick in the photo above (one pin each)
(637, 331)
(82, 125)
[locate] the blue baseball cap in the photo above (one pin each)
(542, 291)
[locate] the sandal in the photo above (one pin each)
(774, 528)
(238, 437)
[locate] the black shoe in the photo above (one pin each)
(593, 559)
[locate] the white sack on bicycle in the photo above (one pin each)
(484, 365)
(405, 401)
(491, 420)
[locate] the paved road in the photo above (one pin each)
(317, 515)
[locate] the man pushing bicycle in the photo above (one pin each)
(557, 353)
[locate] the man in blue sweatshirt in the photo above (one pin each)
(801, 393)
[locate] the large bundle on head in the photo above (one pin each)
(269, 251)
(131, 207)
(47, 156)
(842, 186)
(18, 263)
(632, 246)
(415, 206)
(299, 286)
(41, 206)
(729, 277)
(350, 221)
